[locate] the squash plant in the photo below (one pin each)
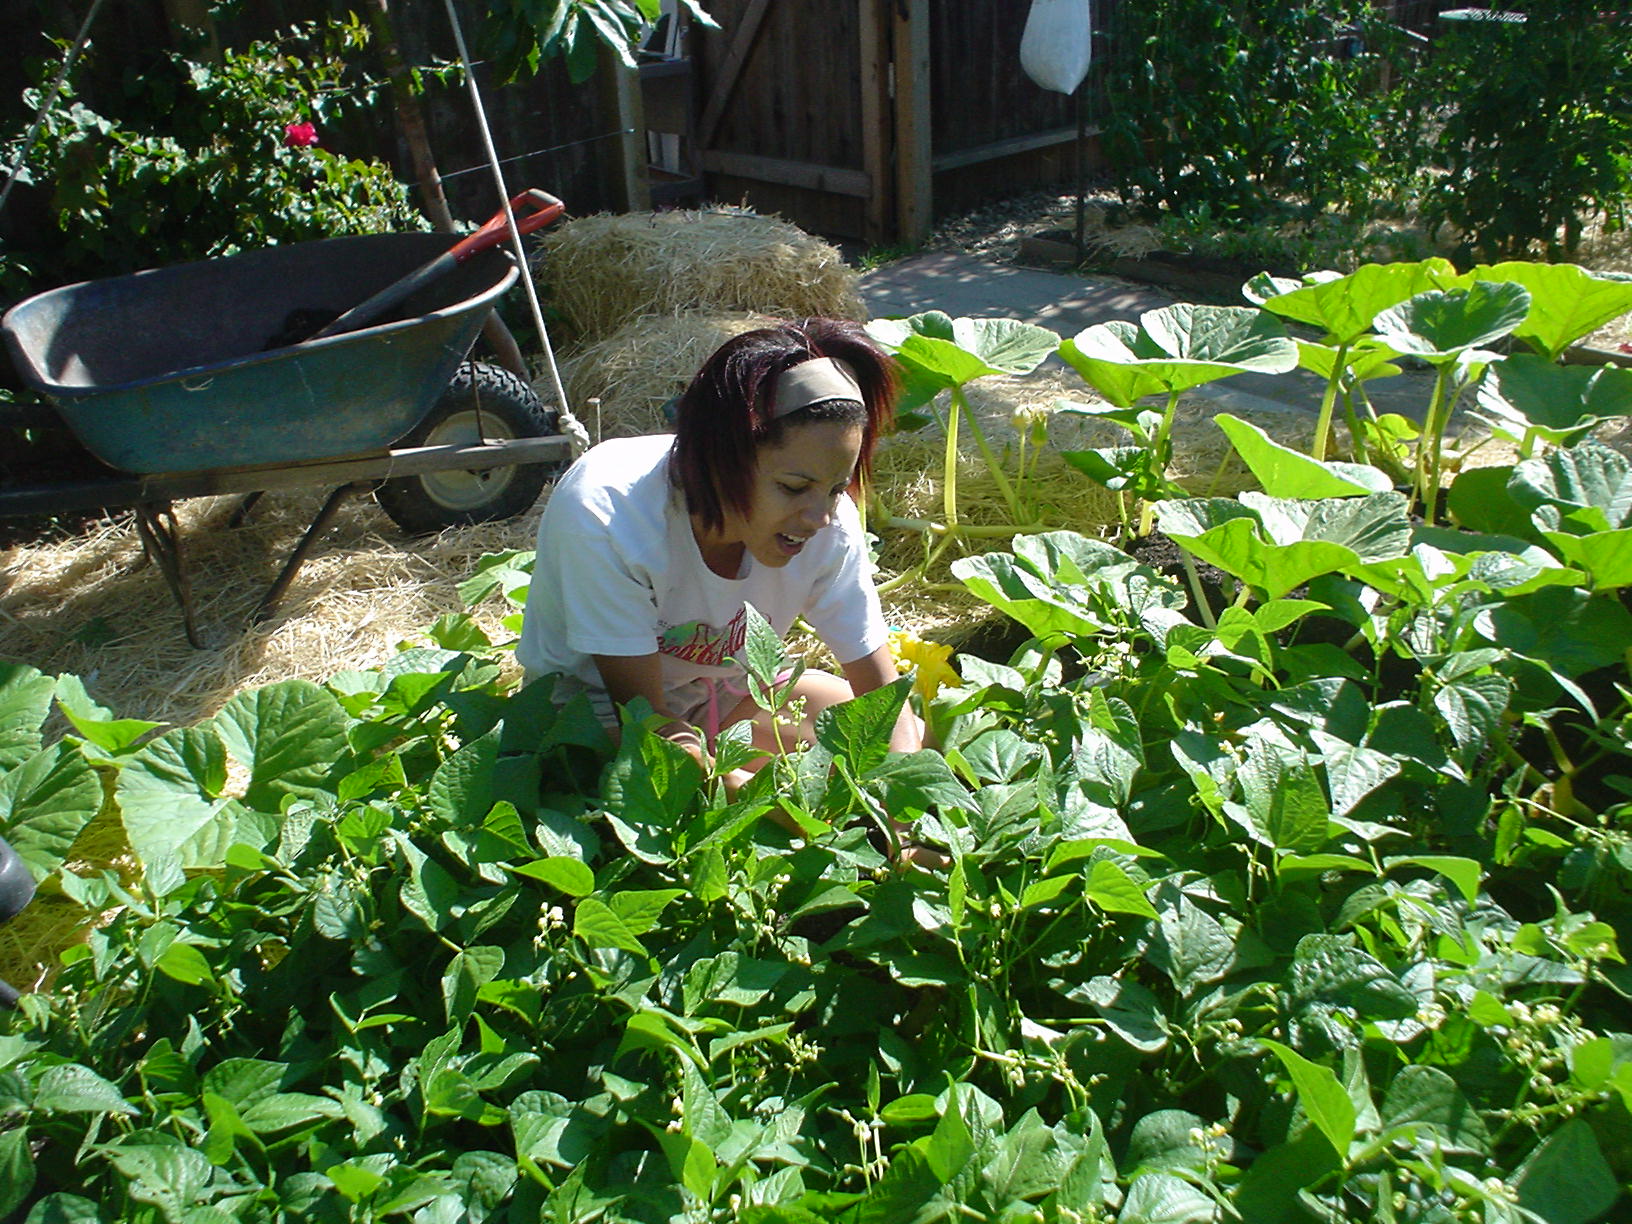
(938, 354)
(1168, 352)
(1462, 326)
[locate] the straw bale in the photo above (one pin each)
(606, 269)
(643, 365)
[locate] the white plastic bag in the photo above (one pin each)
(1057, 43)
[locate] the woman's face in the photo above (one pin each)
(794, 491)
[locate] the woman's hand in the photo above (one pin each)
(735, 781)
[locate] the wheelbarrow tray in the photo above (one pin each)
(169, 371)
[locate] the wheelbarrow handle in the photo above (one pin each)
(548, 208)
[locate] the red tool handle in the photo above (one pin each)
(547, 209)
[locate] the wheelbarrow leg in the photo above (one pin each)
(275, 592)
(240, 515)
(161, 540)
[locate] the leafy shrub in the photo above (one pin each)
(196, 159)
(1235, 107)
(1528, 125)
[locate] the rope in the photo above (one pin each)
(569, 424)
(50, 97)
(571, 144)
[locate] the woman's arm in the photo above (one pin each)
(875, 671)
(629, 676)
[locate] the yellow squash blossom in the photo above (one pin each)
(927, 662)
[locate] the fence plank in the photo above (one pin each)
(789, 173)
(914, 133)
(731, 70)
(875, 110)
(1007, 148)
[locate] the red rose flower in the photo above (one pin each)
(299, 135)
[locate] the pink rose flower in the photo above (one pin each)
(299, 135)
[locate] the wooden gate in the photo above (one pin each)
(871, 118)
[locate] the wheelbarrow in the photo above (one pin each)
(198, 379)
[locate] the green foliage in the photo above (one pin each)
(1526, 125)
(938, 354)
(1463, 327)
(1278, 133)
(1166, 353)
(1231, 109)
(1348, 329)
(1312, 905)
(519, 34)
(191, 160)
(1236, 923)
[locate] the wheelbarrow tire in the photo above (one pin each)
(509, 408)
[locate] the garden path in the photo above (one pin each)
(962, 285)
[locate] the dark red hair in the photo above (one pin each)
(724, 416)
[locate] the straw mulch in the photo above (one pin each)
(606, 270)
(91, 606)
(636, 370)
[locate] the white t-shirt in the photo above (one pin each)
(618, 572)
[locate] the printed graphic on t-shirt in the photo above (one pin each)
(704, 644)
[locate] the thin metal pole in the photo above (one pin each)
(504, 202)
(1082, 163)
(50, 97)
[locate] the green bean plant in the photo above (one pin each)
(1233, 923)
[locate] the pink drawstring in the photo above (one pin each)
(711, 726)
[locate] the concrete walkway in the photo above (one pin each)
(1066, 303)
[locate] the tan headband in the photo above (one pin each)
(816, 381)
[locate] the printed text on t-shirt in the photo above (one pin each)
(703, 644)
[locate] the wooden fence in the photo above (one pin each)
(876, 118)
(869, 119)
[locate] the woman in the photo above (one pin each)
(649, 548)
